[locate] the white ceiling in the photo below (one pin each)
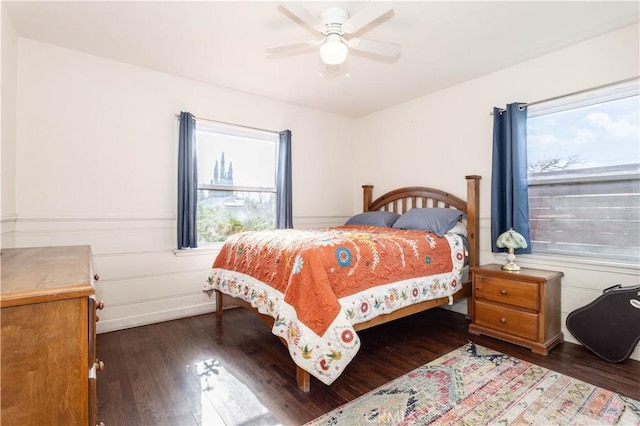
(443, 42)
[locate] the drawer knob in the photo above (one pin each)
(503, 320)
(100, 305)
(96, 277)
(503, 291)
(99, 365)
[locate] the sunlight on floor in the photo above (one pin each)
(226, 400)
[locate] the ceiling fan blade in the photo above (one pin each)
(293, 47)
(383, 48)
(364, 17)
(303, 14)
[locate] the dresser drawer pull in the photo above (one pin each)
(503, 291)
(96, 277)
(99, 365)
(503, 320)
(100, 305)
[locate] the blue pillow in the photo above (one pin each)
(431, 219)
(383, 219)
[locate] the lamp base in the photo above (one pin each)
(510, 266)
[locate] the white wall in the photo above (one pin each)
(410, 142)
(8, 78)
(96, 158)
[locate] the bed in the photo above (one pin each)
(315, 288)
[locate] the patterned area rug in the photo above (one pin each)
(477, 386)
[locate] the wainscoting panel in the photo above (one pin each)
(142, 288)
(154, 311)
(141, 279)
(7, 231)
(105, 235)
(127, 266)
(133, 290)
(319, 221)
(144, 280)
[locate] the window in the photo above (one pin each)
(236, 180)
(584, 174)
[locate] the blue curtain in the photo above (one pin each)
(284, 209)
(187, 182)
(509, 191)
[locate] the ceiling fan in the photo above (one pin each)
(334, 25)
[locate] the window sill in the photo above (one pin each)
(208, 250)
(550, 261)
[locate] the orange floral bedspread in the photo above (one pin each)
(318, 283)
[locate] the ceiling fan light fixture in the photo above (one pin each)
(334, 51)
(337, 26)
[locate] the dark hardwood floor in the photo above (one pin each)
(193, 371)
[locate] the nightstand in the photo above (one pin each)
(520, 307)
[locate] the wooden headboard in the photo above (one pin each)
(402, 199)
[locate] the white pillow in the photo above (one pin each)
(459, 228)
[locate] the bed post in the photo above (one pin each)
(303, 378)
(473, 218)
(367, 197)
(219, 305)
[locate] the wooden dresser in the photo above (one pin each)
(519, 307)
(48, 343)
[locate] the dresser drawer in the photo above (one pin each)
(516, 293)
(513, 321)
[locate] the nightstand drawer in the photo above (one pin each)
(516, 293)
(500, 318)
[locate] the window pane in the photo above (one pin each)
(590, 218)
(584, 175)
(604, 134)
(239, 157)
(223, 213)
(236, 160)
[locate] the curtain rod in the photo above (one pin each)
(578, 92)
(232, 124)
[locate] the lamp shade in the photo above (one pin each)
(511, 239)
(333, 51)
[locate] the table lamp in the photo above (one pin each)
(511, 240)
